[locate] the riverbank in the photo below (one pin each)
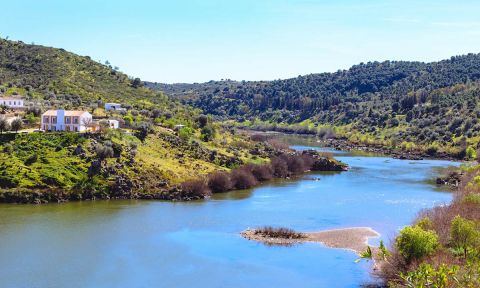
(354, 239)
(285, 165)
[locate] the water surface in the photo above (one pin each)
(197, 244)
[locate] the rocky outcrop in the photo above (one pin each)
(452, 179)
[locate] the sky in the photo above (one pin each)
(200, 40)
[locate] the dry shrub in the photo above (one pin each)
(195, 188)
(284, 233)
(279, 167)
(277, 144)
(262, 172)
(308, 161)
(220, 182)
(259, 138)
(242, 179)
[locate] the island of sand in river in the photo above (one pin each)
(355, 239)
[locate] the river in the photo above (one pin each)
(197, 244)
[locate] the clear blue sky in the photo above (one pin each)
(201, 40)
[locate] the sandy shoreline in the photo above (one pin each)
(355, 239)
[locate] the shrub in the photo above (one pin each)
(31, 159)
(414, 243)
(472, 198)
(196, 188)
(104, 151)
(471, 153)
(262, 172)
(284, 233)
(208, 133)
(258, 137)
(202, 121)
(279, 167)
(185, 133)
(16, 124)
(464, 234)
(242, 179)
(220, 182)
(425, 223)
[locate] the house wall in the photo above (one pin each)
(12, 103)
(58, 123)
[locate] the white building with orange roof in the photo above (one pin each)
(11, 102)
(65, 120)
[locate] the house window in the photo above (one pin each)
(68, 120)
(54, 120)
(75, 129)
(75, 120)
(46, 119)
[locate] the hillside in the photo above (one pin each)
(422, 103)
(45, 73)
(147, 158)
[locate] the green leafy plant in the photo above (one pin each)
(414, 242)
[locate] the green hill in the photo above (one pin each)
(40, 72)
(387, 103)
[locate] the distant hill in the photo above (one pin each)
(413, 101)
(49, 73)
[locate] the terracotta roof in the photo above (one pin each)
(67, 113)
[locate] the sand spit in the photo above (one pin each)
(355, 239)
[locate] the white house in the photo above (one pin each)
(114, 107)
(62, 120)
(113, 124)
(11, 102)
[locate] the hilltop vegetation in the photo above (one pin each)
(60, 77)
(429, 105)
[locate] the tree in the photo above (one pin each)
(87, 122)
(208, 133)
(202, 121)
(17, 124)
(464, 234)
(103, 125)
(4, 125)
(31, 119)
(143, 130)
(137, 83)
(414, 243)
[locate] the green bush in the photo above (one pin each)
(185, 133)
(425, 223)
(464, 234)
(471, 153)
(472, 198)
(414, 242)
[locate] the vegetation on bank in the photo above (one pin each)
(283, 164)
(442, 248)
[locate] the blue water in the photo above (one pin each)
(197, 244)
